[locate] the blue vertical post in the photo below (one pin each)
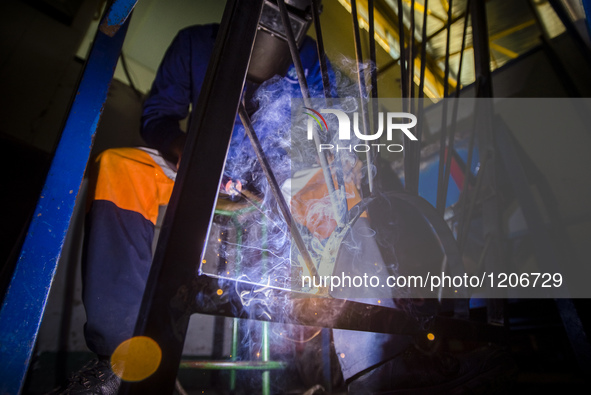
(26, 296)
(587, 8)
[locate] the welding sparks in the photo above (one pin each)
(234, 189)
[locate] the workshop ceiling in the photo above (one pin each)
(514, 26)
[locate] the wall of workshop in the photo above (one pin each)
(37, 72)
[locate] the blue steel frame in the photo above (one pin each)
(27, 293)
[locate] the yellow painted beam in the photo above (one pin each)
(503, 50)
(385, 36)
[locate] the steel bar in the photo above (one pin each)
(412, 152)
(447, 49)
(491, 218)
(165, 310)
(480, 41)
(26, 296)
(322, 59)
(462, 49)
(339, 209)
(362, 92)
(411, 55)
(233, 365)
(372, 50)
(373, 71)
(266, 347)
(276, 190)
(234, 351)
(410, 174)
(452, 133)
(266, 354)
(295, 55)
(424, 42)
(402, 45)
(328, 90)
(416, 163)
(440, 202)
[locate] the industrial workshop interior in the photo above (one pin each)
(447, 253)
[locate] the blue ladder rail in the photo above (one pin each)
(26, 296)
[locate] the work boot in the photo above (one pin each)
(482, 371)
(95, 378)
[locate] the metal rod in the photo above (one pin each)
(372, 50)
(411, 54)
(423, 53)
(480, 42)
(234, 352)
(373, 71)
(402, 46)
(447, 50)
(412, 152)
(463, 47)
(452, 133)
(321, 53)
(266, 355)
(416, 163)
(338, 209)
(276, 190)
(233, 365)
(328, 94)
(440, 203)
(410, 174)
(266, 347)
(295, 55)
(362, 92)
(491, 205)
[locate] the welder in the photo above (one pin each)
(128, 185)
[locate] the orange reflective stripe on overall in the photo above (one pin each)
(130, 179)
